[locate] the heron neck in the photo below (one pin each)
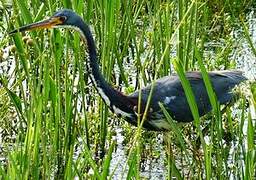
(118, 102)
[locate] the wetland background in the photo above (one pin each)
(53, 124)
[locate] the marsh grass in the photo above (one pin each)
(65, 130)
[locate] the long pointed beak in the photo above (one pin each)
(45, 24)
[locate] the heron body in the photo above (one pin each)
(167, 90)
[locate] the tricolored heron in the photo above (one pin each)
(167, 90)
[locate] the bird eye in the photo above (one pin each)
(63, 18)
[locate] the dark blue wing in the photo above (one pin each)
(169, 91)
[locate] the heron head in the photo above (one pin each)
(64, 17)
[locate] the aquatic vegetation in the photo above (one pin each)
(53, 123)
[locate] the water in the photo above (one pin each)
(246, 60)
(153, 168)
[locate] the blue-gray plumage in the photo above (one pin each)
(167, 90)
